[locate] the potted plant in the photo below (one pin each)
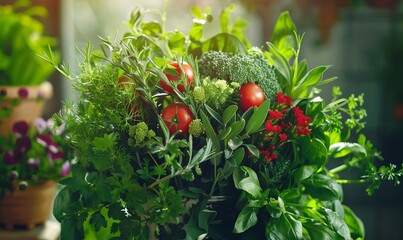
(23, 75)
(180, 136)
(33, 159)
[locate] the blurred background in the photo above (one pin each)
(361, 39)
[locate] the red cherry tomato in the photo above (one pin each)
(251, 95)
(177, 117)
(188, 71)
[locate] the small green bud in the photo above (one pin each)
(23, 186)
(196, 128)
(199, 95)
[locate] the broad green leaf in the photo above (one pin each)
(205, 217)
(176, 42)
(311, 79)
(246, 179)
(234, 143)
(246, 219)
(323, 187)
(153, 29)
(303, 173)
(225, 18)
(280, 62)
(302, 69)
(286, 227)
(214, 114)
(252, 149)
(61, 204)
(195, 35)
(338, 223)
(236, 129)
(237, 157)
(354, 223)
(224, 133)
(258, 117)
(283, 35)
(197, 12)
(318, 230)
(276, 207)
(213, 136)
(69, 229)
(341, 149)
(315, 151)
(290, 194)
(224, 42)
(229, 114)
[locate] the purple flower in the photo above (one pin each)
(11, 158)
(23, 144)
(55, 155)
(45, 140)
(20, 128)
(40, 125)
(65, 168)
(23, 92)
(33, 163)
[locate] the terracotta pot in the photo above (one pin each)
(27, 208)
(24, 102)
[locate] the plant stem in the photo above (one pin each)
(344, 166)
(352, 181)
(156, 182)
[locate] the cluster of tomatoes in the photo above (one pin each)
(178, 116)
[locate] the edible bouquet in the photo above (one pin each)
(178, 135)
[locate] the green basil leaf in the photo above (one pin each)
(354, 223)
(176, 41)
(337, 222)
(153, 29)
(290, 194)
(318, 230)
(246, 219)
(285, 227)
(258, 117)
(246, 179)
(323, 187)
(341, 149)
(315, 151)
(303, 173)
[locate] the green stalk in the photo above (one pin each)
(344, 166)
(352, 181)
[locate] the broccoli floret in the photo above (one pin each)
(139, 133)
(216, 91)
(240, 68)
(196, 128)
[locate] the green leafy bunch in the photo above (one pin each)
(228, 173)
(22, 38)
